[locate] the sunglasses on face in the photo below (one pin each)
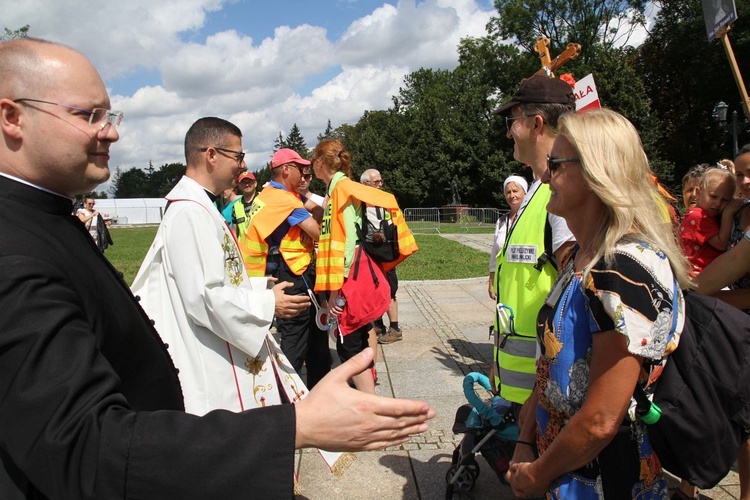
(553, 163)
(304, 170)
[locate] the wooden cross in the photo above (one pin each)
(549, 65)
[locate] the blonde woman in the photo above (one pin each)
(612, 308)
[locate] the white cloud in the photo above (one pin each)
(634, 36)
(424, 35)
(262, 85)
(229, 61)
(116, 36)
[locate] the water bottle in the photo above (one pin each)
(333, 321)
(340, 301)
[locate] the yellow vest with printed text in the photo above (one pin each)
(269, 210)
(523, 288)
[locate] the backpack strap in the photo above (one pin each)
(360, 254)
(361, 228)
(548, 255)
(645, 409)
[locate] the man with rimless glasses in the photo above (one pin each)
(536, 242)
(91, 404)
(279, 242)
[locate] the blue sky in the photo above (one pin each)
(259, 19)
(264, 65)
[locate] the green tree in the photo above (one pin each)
(602, 27)
(161, 181)
(685, 76)
(296, 142)
(279, 142)
(327, 133)
(131, 183)
(592, 23)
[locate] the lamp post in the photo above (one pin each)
(735, 126)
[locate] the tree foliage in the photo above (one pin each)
(591, 23)
(327, 133)
(439, 128)
(294, 140)
(137, 183)
(685, 77)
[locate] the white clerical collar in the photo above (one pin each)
(35, 186)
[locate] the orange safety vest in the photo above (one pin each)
(269, 210)
(329, 265)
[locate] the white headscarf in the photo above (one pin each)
(517, 179)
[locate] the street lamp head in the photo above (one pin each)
(720, 112)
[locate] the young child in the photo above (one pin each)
(704, 232)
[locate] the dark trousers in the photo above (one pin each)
(301, 340)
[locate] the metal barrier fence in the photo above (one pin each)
(429, 220)
(479, 217)
(423, 220)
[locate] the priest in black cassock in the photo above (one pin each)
(90, 401)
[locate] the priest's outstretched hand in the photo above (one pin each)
(335, 417)
(289, 306)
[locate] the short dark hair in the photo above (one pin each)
(695, 172)
(208, 132)
(550, 111)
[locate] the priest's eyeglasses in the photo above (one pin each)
(98, 117)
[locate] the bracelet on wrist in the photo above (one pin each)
(527, 443)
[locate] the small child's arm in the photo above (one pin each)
(720, 241)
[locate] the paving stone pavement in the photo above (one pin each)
(445, 326)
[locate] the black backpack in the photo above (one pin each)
(378, 235)
(703, 394)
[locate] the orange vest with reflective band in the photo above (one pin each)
(329, 265)
(269, 210)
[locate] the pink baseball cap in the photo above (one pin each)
(286, 155)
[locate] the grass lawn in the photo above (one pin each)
(419, 227)
(131, 246)
(441, 259)
(438, 258)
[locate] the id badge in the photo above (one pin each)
(521, 254)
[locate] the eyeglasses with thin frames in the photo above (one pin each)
(553, 163)
(98, 116)
(378, 182)
(509, 120)
(238, 155)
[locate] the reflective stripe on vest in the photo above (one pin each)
(523, 288)
(241, 217)
(296, 254)
(516, 368)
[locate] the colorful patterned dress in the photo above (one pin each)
(634, 297)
